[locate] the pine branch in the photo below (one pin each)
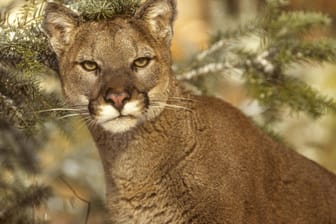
(105, 9)
(23, 42)
(21, 201)
(316, 51)
(298, 23)
(18, 148)
(278, 42)
(292, 93)
(21, 98)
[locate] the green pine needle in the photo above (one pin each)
(106, 9)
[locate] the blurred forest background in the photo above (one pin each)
(68, 164)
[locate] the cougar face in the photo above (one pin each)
(111, 68)
(120, 78)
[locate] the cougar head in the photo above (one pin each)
(116, 71)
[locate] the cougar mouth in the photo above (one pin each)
(119, 111)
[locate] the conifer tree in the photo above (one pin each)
(25, 59)
(279, 43)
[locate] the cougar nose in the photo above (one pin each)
(117, 99)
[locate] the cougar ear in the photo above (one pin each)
(59, 22)
(159, 16)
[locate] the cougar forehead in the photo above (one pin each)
(111, 43)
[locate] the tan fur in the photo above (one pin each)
(178, 158)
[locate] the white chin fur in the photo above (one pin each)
(120, 125)
(108, 117)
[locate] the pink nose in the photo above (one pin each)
(117, 99)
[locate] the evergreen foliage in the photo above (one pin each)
(279, 39)
(102, 9)
(20, 139)
(280, 42)
(22, 41)
(23, 59)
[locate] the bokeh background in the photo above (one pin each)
(70, 162)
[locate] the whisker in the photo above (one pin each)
(91, 123)
(163, 105)
(80, 105)
(84, 121)
(174, 98)
(181, 98)
(58, 109)
(68, 116)
(87, 118)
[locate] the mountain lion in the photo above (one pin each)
(169, 156)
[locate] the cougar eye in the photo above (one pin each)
(141, 62)
(89, 65)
